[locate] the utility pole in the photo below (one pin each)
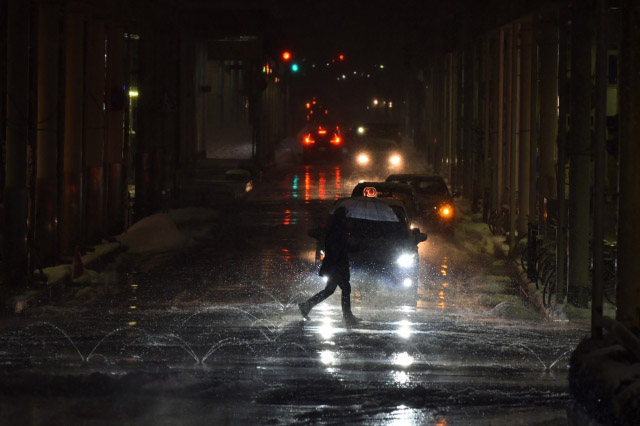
(628, 290)
(117, 102)
(46, 220)
(71, 202)
(487, 61)
(524, 134)
(147, 123)
(598, 195)
(458, 120)
(561, 232)
(15, 190)
(548, 114)
(497, 160)
(450, 120)
(513, 153)
(466, 107)
(509, 112)
(93, 134)
(580, 155)
(534, 188)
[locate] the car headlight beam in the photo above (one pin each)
(406, 260)
(362, 158)
(395, 159)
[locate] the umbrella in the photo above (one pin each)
(366, 208)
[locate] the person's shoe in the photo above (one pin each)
(304, 310)
(351, 320)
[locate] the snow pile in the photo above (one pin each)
(59, 273)
(228, 149)
(474, 235)
(155, 233)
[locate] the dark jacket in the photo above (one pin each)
(336, 257)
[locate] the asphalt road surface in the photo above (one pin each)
(212, 335)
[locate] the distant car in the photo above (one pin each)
(385, 253)
(433, 199)
(322, 140)
(391, 191)
(377, 155)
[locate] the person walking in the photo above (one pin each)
(335, 266)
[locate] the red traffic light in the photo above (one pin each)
(286, 55)
(341, 57)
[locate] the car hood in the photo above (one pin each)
(382, 250)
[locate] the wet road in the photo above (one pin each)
(212, 335)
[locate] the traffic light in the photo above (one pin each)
(286, 55)
(294, 67)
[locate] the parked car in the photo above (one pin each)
(433, 200)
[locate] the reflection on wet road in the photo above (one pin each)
(214, 334)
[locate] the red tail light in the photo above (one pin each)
(322, 131)
(308, 140)
(337, 140)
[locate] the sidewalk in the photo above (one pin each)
(604, 375)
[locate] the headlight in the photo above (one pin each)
(445, 211)
(363, 159)
(361, 130)
(395, 159)
(406, 260)
(407, 282)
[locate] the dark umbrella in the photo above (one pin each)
(367, 208)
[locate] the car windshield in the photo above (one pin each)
(362, 228)
(430, 187)
(379, 145)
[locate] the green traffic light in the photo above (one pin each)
(294, 67)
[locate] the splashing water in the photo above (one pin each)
(544, 365)
(55, 327)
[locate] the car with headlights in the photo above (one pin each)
(384, 253)
(322, 140)
(434, 202)
(381, 155)
(390, 191)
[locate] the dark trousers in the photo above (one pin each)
(332, 284)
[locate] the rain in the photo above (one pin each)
(212, 331)
(183, 181)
